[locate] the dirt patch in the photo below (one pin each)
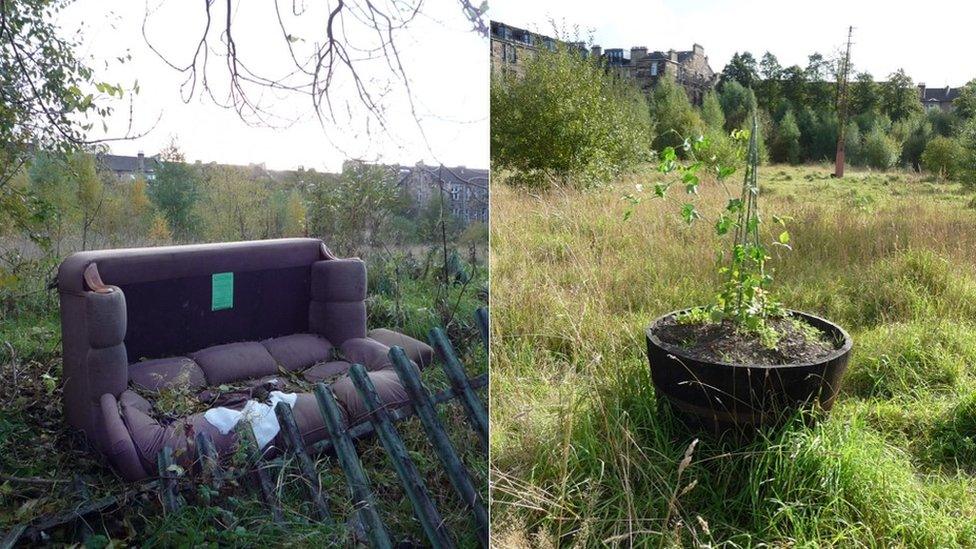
(798, 342)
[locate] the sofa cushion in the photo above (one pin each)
(325, 370)
(299, 351)
(370, 353)
(388, 388)
(235, 361)
(166, 372)
(416, 350)
(149, 436)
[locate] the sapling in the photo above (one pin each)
(744, 298)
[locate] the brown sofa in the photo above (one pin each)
(222, 324)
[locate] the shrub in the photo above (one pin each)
(675, 118)
(967, 164)
(786, 144)
(565, 120)
(879, 150)
(943, 157)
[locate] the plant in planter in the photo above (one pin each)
(743, 360)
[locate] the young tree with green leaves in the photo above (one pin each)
(899, 96)
(786, 142)
(566, 121)
(674, 116)
(175, 193)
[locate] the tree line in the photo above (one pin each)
(565, 118)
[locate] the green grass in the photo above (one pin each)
(582, 456)
(35, 441)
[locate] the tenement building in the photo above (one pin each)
(465, 190)
(512, 46)
(688, 68)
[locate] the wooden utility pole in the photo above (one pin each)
(842, 81)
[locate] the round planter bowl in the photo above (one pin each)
(719, 396)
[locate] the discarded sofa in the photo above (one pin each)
(154, 338)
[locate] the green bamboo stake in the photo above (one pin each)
(475, 410)
(413, 483)
(424, 407)
(358, 484)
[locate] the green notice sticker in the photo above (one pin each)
(222, 291)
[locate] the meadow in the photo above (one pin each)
(581, 455)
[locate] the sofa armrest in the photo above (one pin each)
(337, 309)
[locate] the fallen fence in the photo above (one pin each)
(381, 421)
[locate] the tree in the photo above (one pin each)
(675, 118)
(965, 104)
(175, 193)
(711, 112)
(769, 89)
(794, 85)
(566, 120)
(864, 94)
(737, 103)
(943, 157)
(879, 150)
(46, 95)
(786, 144)
(967, 164)
(355, 46)
(352, 212)
(899, 96)
(236, 203)
(742, 69)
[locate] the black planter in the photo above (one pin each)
(719, 396)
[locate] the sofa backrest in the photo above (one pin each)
(180, 299)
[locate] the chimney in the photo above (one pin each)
(673, 56)
(141, 162)
(698, 50)
(596, 51)
(636, 54)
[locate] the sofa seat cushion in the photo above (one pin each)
(162, 373)
(235, 361)
(324, 371)
(416, 350)
(391, 393)
(299, 351)
(370, 353)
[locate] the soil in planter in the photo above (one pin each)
(722, 342)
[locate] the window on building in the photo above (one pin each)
(455, 192)
(653, 69)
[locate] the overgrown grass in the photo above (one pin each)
(36, 442)
(582, 456)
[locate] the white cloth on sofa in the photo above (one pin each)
(261, 416)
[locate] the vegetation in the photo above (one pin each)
(581, 454)
(566, 121)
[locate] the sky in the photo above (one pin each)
(935, 43)
(446, 63)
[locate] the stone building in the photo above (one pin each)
(688, 68)
(465, 190)
(511, 46)
(937, 98)
(130, 167)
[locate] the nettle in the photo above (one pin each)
(744, 299)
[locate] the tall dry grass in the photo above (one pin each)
(582, 456)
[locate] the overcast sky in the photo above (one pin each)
(934, 42)
(447, 64)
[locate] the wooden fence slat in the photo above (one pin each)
(245, 436)
(457, 472)
(477, 415)
(353, 468)
(286, 418)
(481, 315)
(207, 459)
(164, 462)
(413, 484)
(366, 428)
